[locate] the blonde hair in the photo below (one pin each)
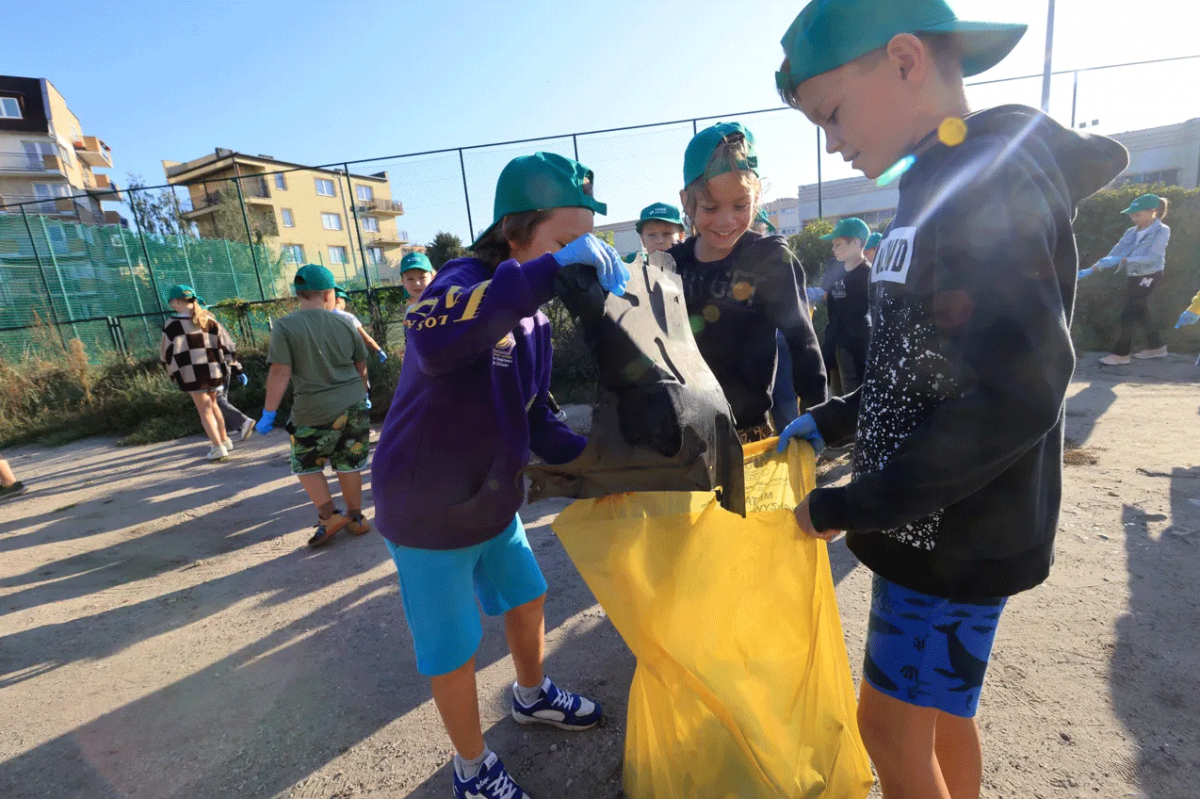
(200, 316)
(729, 156)
(1164, 206)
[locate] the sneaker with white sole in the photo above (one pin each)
(1146, 355)
(218, 453)
(227, 444)
(247, 429)
(558, 708)
(1114, 360)
(492, 782)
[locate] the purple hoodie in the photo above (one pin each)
(470, 406)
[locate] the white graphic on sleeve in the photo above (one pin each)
(894, 256)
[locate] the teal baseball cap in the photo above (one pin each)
(182, 292)
(415, 260)
(873, 241)
(702, 146)
(341, 292)
(539, 182)
(850, 228)
(763, 219)
(314, 277)
(830, 33)
(662, 212)
(1147, 202)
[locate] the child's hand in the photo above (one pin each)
(266, 422)
(382, 356)
(815, 294)
(588, 249)
(1187, 318)
(1085, 273)
(1107, 262)
(804, 519)
(245, 380)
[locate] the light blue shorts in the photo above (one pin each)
(439, 588)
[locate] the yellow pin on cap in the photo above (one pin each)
(952, 132)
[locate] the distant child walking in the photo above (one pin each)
(341, 297)
(470, 408)
(10, 486)
(660, 227)
(740, 286)
(1142, 253)
(325, 361)
(957, 473)
(849, 328)
(197, 350)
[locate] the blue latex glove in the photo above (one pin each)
(245, 380)
(815, 294)
(590, 250)
(382, 356)
(1085, 272)
(368, 403)
(266, 422)
(1187, 318)
(1107, 262)
(804, 427)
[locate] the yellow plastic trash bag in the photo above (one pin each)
(742, 687)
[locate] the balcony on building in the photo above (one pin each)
(30, 165)
(93, 152)
(254, 190)
(105, 189)
(76, 209)
(388, 239)
(380, 206)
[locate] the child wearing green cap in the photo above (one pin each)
(416, 272)
(742, 287)
(341, 296)
(1142, 253)
(957, 473)
(471, 406)
(197, 352)
(325, 361)
(660, 227)
(871, 246)
(849, 328)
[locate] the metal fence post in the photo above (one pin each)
(58, 273)
(575, 144)
(362, 249)
(237, 292)
(42, 274)
(187, 262)
(249, 236)
(466, 194)
(137, 294)
(149, 264)
(820, 198)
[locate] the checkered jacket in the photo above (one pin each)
(196, 359)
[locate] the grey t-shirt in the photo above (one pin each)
(322, 348)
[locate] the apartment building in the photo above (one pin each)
(45, 158)
(308, 215)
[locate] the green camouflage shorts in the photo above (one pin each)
(344, 444)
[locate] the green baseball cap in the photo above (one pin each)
(830, 33)
(415, 260)
(314, 277)
(873, 241)
(702, 146)
(763, 219)
(539, 182)
(341, 292)
(1147, 202)
(663, 212)
(850, 228)
(182, 292)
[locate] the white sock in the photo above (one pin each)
(467, 769)
(527, 696)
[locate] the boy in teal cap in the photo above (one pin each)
(871, 246)
(319, 353)
(340, 301)
(957, 471)
(1142, 253)
(849, 327)
(762, 224)
(661, 228)
(416, 272)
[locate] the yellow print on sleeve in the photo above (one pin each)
(433, 313)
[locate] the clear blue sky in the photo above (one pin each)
(318, 82)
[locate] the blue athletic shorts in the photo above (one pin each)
(929, 651)
(439, 589)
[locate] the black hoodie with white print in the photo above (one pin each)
(959, 422)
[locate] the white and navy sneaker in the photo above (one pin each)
(492, 782)
(557, 708)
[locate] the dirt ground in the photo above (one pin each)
(165, 634)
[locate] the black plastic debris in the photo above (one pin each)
(662, 422)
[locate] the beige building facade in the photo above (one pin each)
(47, 162)
(307, 215)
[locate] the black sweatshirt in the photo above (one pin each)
(850, 310)
(736, 305)
(958, 460)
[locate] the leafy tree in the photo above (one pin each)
(444, 248)
(157, 211)
(811, 250)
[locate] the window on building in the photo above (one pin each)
(331, 221)
(288, 219)
(337, 255)
(34, 150)
(293, 253)
(325, 188)
(10, 108)
(375, 256)
(1165, 177)
(280, 181)
(365, 193)
(371, 224)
